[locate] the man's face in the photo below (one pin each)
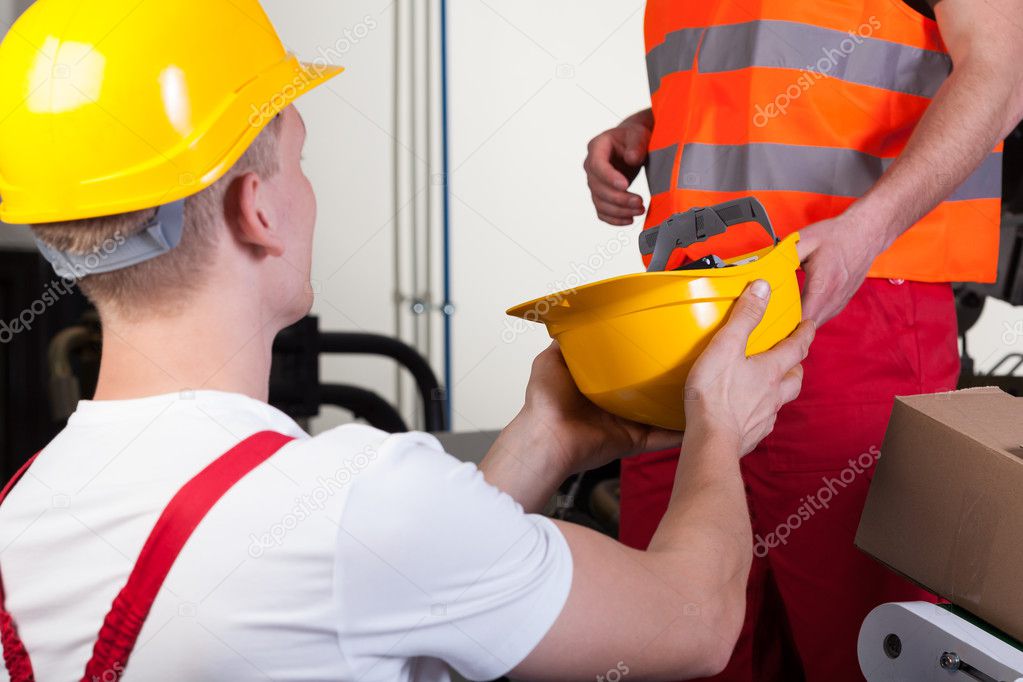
(293, 195)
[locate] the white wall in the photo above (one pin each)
(348, 158)
(531, 82)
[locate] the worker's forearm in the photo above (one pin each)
(704, 539)
(974, 109)
(708, 501)
(523, 464)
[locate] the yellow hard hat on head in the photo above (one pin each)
(117, 106)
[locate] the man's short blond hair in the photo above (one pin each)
(163, 283)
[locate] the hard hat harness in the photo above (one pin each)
(696, 225)
(159, 236)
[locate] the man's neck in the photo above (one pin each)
(206, 347)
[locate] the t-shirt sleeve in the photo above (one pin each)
(435, 562)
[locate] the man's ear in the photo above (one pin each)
(249, 217)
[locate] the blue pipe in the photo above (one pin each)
(446, 205)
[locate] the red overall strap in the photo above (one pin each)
(189, 506)
(182, 515)
(19, 666)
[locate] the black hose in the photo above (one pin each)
(435, 415)
(364, 405)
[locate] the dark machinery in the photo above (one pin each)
(970, 298)
(295, 386)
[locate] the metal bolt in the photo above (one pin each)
(892, 646)
(949, 661)
(418, 307)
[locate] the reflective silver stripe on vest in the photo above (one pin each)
(791, 45)
(796, 168)
(659, 166)
(675, 54)
(984, 183)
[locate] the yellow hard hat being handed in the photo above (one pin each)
(117, 106)
(630, 341)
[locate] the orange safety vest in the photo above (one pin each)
(804, 105)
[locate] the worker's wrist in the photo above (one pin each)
(713, 440)
(876, 218)
(521, 465)
(550, 441)
(539, 445)
(643, 118)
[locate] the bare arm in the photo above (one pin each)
(676, 609)
(673, 611)
(978, 105)
(520, 464)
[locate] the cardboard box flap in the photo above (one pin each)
(985, 415)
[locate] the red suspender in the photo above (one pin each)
(128, 613)
(19, 667)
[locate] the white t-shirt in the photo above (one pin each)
(352, 555)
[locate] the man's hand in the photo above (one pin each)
(582, 435)
(613, 161)
(559, 432)
(836, 255)
(733, 398)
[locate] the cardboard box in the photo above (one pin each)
(945, 507)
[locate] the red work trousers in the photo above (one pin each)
(809, 587)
